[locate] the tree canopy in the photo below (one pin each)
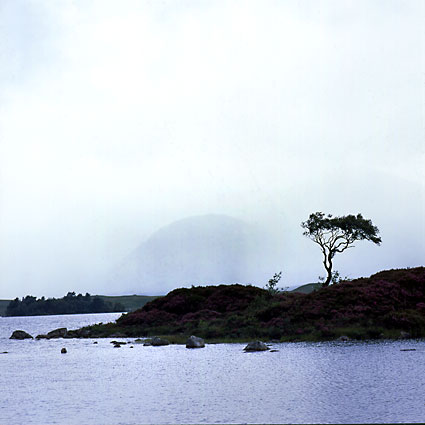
(336, 234)
(69, 304)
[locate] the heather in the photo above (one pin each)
(386, 304)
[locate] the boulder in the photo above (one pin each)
(20, 335)
(156, 341)
(41, 336)
(256, 346)
(57, 333)
(63, 351)
(404, 334)
(195, 342)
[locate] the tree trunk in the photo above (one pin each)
(328, 267)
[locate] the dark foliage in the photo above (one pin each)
(69, 304)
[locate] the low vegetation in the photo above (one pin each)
(385, 305)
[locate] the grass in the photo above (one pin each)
(130, 302)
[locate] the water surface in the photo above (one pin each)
(301, 383)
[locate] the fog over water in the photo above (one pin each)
(118, 119)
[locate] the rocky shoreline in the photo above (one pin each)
(192, 342)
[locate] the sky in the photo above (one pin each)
(119, 118)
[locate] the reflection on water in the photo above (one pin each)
(301, 383)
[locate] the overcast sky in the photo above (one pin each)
(120, 117)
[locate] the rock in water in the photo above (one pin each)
(256, 346)
(195, 342)
(20, 335)
(156, 341)
(58, 333)
(63, 351)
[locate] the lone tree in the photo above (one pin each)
(336, 234)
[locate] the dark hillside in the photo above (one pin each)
(384, 305)
(188, 309)
(392, 300)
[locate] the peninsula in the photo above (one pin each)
(388, 304)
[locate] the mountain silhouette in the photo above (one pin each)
(197, 250)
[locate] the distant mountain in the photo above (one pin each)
(198, 250)
(307, 288)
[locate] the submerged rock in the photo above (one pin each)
(156, 341)
(344, 338)
(20, 335)
(256, 346)
(195, 342)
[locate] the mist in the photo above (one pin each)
(118, 119)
